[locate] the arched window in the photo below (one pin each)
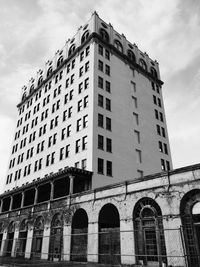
(131, 55)
(143, 64)
(104, 35)
(50, 70)
(60, 61)
(190, 217)
(37, 237)
(79, 238)
(10, 238)
(56, 238)
(23, 96)
(23, 230)
(71, 50)
(149, 234)
(154, 72)
(109, 235)
(118, 45)
(40, 80)
(84, 37)
(31, 89)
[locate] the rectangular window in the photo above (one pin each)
(80, 88)
(107, 70)
(66, 99)
(63, 133)
(100, 82)
(85, 121)
(67, 83)
(136, 118)
(86, 83)
(159, 102)
(153, 85)
(77, 148)
(100, 166)
(138, 155)
(109, 168)
(100, 142)
(100, 100)
(100, 50)
(64, 115)
(137, 136)
(72, 79)
(87, 51)
(108, 104)
(81, 56)
(167, 165)
(86, 101)
(156, 114)
(86, 66)
(108, 124)
(71, 94)
(76, 164)
(67, 151)
(107, 54)
(61, 153)
(70, 112)
(80, 71)
(165, 149)
(73, 64)
(79, 106)
(161, 117)
(163, 132)
(160, 146)
(107, 86)
(68, 130)
(162, 164)
(100, 65)
(108, 145)
(154, 100)
(78, 125)
(84, 164)
(84, 142)
(100, 120)
(158, 129)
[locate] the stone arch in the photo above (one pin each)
(31, 89)
(10, 238)
(118, 45)
(38, 230)
(190, 217)
(104, 35)
(109, 234)
(149, 233)
(143, 64)
(21, 244)
(49, 71)
(24, 96)
(85, 36)
(60, 61)
(40, 80)
(56, 237)
(154, 73)
(71, 49)
(131, 55)
(79, 237)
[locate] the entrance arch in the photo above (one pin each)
(56, 238)
(149, 233)
(10, 238)
(79, 238)
(21, 244)
(109, 235)
(37, 237)
(190, 217)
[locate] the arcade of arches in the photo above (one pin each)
(154, 221)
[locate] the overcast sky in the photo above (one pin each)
(31, 31)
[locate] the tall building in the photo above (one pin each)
(98, 106)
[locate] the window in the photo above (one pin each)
(107, 86)
(80, 71)
(108, 70)
(67, 83)
(161, 117)
(167, 165)
(154, 100)
(79, 105)
(86, 66)
(100, 142)
(81, 56)
(100, 120)
(84, 142)
(154, 72)
(160, 146)
(157, 88)
(131, 55)
(84, 164)
(73, 64)
(76, 164)
(108, 104)
(86, 101)
(64, 115)
(68, 130)
(109, 168)
(87, 51)
(100, 82)
(118, 45)
(163, 132)
(71, 50)
(100, 65)
(153, 85)
(162, 164)
(165, 149)
(158, 129)
(63, 133)
(143, 64)
(100, 50)
(61, 153)
(84, 36)
(107, 54)
(80, 88)
(77, 149)
(108, 145)
(100, 166)
(68, 68)
(71, 94)
(159, 102)
(86, 83)
(85, 121)
(156, 114)
(70, 112)
(67, 151)
(100, 100)
(138, 155)
(78, 125)
(72, 79)
(108, 124)
(66, 99)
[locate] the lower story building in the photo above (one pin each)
(150, 221)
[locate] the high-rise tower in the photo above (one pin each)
(97, 105)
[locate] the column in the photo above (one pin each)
(3, 244)
(66, 242)
(93, 241)
(45, 243)
(22, 202)
(127, 243)
(11, 202)
(16, 236)
(29, 243)
(52, 190)
(71, 186)
(36, 195)
(173, 241)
